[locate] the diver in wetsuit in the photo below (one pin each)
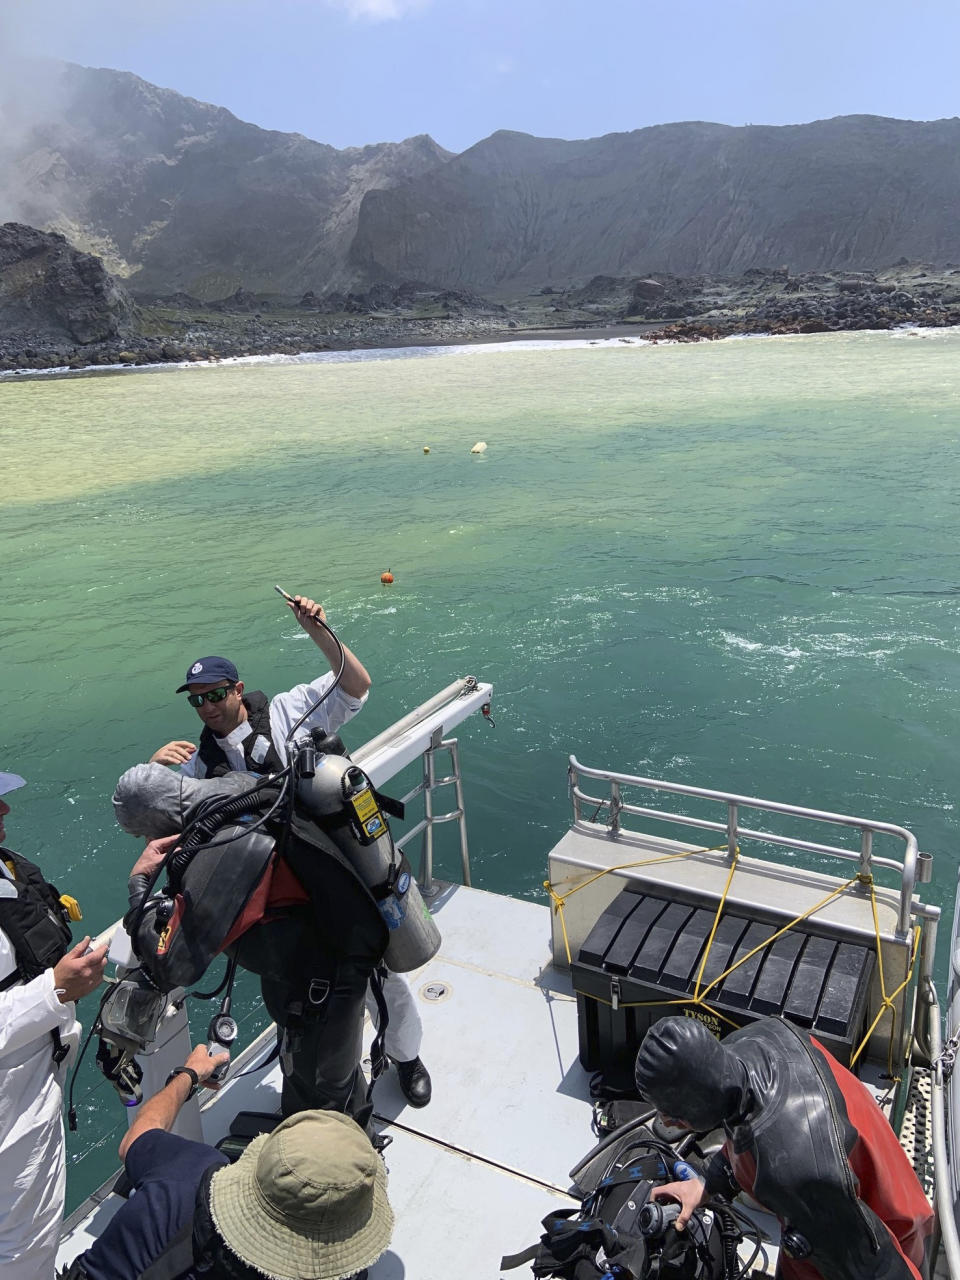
(803, 1136)
(314, 948)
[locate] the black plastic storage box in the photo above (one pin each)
(647, 948)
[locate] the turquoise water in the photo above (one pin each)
(733, 564)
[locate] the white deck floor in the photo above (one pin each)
(472, 1174)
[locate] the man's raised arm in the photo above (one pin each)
(356, 679)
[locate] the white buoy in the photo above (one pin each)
(479, 447)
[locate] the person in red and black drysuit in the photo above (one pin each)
(804, 1137)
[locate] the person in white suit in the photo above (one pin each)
(42, 974)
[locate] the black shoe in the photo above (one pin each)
(415, 1082)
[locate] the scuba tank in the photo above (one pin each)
(340, 798)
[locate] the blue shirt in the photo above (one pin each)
(166, 1172)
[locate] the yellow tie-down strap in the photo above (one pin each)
(698, 1000)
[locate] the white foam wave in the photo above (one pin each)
(756, 646)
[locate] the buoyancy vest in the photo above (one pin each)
(609, 1235)
(35, 920)
(815, 1149)
(233, 889)
(259, 752)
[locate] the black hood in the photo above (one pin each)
(152, 800)
(687, 1074)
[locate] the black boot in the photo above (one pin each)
(415, 1082)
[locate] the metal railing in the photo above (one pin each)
(914, 867)
(419, 735)
(427, 786)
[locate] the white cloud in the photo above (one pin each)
(380, 10)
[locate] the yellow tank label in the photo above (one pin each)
(364, 805)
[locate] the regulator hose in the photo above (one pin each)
(730, 1235)
(204, 827)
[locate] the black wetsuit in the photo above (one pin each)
(315, 961)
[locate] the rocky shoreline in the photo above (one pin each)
(661, 307)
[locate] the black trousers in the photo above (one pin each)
(321, 1016)
(314, 964)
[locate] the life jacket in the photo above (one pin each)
(259, 753)
(35, 921)
(816, 1151)
(610, 1234)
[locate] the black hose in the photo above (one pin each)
(71, 1109)
(730, 1237)
(336, 680)
(617, 1136)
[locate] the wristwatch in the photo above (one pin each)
(185, 1071)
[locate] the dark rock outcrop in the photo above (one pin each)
(51, 292)
(514, 211)
(179, 196)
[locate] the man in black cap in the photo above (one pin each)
(803, 1136)
(247, 732)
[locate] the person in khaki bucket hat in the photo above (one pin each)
(307, 1201)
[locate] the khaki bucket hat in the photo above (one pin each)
(305, 1202)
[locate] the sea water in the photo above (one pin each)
(733, 564)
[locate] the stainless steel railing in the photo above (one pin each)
(914, 867)
(420, 735)
(426, 787)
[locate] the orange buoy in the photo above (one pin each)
(386, 578)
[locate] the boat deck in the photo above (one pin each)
(472, 1174)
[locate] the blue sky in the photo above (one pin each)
(349, 72)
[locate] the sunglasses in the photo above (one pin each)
(212, 695)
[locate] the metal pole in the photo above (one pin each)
(616, 804)
(454, 748)
(397, 730)
(572, 787)
(941, 1165)
(731, 830)
(427, 887)
(866, 849)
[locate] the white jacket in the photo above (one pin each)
(32, 1165)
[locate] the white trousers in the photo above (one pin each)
(404, 1034)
